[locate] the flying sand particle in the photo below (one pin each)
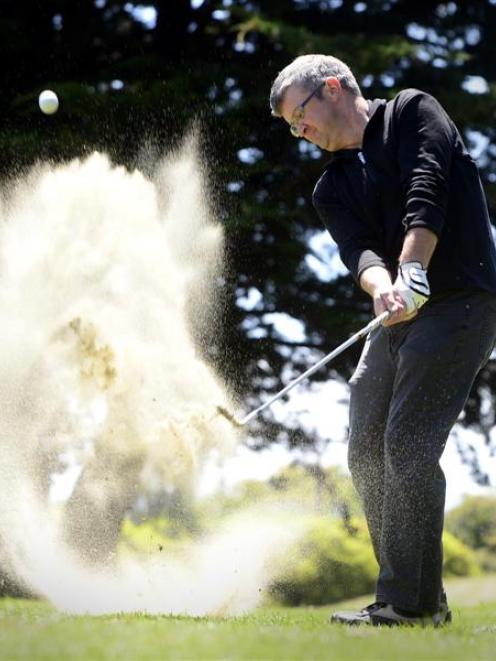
(103, 274)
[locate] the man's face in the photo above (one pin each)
(321, 121)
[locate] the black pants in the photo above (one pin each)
(408, 389)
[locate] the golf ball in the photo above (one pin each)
(48, 102)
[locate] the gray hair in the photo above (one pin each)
(308, 71)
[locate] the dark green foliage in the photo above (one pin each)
(331, 564)
(474, 522)
(333, 558)
(458, 558)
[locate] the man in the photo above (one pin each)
(403, 201)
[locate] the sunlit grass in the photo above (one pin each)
(34, 630)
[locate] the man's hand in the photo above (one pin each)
(406, 296)
(403, 298)
(412, 285)
(390, 299)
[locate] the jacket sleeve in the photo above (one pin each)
(358, 247)
(425, 137)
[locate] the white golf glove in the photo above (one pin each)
(412, 285)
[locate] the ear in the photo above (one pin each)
(333, 86)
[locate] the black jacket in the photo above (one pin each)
(413, 171)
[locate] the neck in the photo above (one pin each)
(360, 119)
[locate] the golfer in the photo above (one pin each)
(403, 200)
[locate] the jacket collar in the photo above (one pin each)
(375, 106)
(376, 110)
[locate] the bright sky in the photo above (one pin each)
(324, 408)
(321, 407)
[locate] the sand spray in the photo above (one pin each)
(101, 271)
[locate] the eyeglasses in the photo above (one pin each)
(299, 112)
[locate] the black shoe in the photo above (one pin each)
(355, 618)
(390, 616)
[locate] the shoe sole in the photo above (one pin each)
(352, 622)
(378, 620)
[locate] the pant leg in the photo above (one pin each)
(370, 394)
(439, 356)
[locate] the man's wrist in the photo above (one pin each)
(375, 279)
(412, 262)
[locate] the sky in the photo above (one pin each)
(323, 407)
(320, 407)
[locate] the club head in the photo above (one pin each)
(229, 416)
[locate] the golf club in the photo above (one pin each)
(372, 325)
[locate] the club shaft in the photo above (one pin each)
(372, 325)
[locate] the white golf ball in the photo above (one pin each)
(48, 102)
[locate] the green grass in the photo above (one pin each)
(34, 630)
